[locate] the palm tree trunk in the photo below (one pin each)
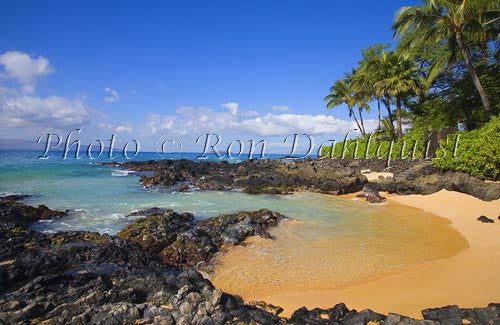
(355, 119)
(387, 103)
(398, 116)
(363, 131)
(483, 45)
(472, 71)
(378, 105)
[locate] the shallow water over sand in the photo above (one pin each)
(313, 255)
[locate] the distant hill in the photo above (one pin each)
(18, 144)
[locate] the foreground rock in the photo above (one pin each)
(455, 315)
(178, 240)
(111, 282)
(452, 315)
(87, 278)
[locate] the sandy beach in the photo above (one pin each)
(469, 278)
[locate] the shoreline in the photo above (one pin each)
(468, 278)
(397, 292)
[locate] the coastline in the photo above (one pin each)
(468, 278)
(429, 285)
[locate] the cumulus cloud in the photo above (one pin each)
(35, 112)
(195, 120)
(160, 123)
(232, 107)
(125, 127)
(112, 95)
(24, 68)
(281, 109)
(285, 124)
(249, 113)
(23, 113)
(190, 119)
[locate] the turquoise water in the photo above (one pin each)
(100, 197)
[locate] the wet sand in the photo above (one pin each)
(470, 277)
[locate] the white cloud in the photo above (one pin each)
(23, 114)
(30, 112)
(232, 107)
(285, 124)
(249, 113)
(112, 96)
(125, 127)
(281, 109)
(24, 68)
(197, 120)
(160, 123)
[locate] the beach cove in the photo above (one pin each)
(303, 247)
(466, 277)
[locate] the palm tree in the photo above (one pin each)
(388, 130)
(362, 82)
(342, 93)
(401, 78)
(370, 72)
(486, 28)
(361, 101)
(447, 21)
(378, 69)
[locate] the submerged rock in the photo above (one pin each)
(15, 197)
(370, 193)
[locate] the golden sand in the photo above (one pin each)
(374, 176)
(431, 265)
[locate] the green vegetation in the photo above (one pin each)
(477, 151)
(443, 72)
(377, 145)
(342, 92)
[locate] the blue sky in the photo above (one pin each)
(164, 62)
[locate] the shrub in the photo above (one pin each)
(412, 145)
(477, 152)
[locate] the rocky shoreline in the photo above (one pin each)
(180, 241)
(328, 176)
(144, 275)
